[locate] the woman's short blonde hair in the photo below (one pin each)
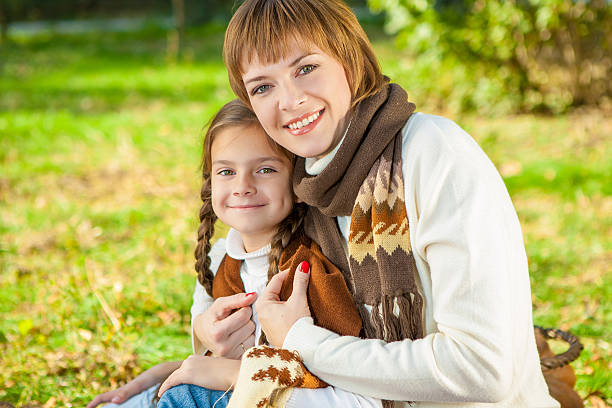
(266, 29)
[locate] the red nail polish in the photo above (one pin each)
(304, 266)
(250, 294)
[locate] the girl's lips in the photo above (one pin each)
(308, 127)
(246, 207)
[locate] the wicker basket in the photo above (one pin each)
(563, 359)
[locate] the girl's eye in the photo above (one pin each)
(266, 170)
(306, 69)
(225, 172)
(260, 89)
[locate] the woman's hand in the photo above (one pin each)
(277, 317)
(152, 376)
(214, 373)
(224, 333)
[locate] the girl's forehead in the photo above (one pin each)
(250, 140)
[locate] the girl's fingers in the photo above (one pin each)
(242, 335)
(244, 345)
(98, 400)
(235, 322)
(223, 306)
(272, 291)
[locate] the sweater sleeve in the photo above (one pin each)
(201, 299)
(470, 255)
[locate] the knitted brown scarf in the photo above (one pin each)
(364, 180)
(329, 299)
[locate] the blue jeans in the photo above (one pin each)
(193, 396)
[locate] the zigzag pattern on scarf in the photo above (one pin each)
(379, 218)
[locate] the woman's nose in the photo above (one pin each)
(291, 96)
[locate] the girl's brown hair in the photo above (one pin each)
(235, 114)
(268, 28)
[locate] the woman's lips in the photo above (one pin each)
(308, 127)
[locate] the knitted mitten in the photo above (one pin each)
(267, 378)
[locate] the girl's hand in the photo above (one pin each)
(150, 377)
(224, 333)
(277, 317)
(214, 373)
(117, 396)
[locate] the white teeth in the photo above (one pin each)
(304, 122)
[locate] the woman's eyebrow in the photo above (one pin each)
(292, 64)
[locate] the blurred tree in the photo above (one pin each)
(8, 9)
(3, 22)
(175, 37)
(522, 54)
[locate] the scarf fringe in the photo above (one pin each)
(388, 404)
(384, 323)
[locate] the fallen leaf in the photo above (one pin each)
(52, 402)
(86, 334)
(597, 402)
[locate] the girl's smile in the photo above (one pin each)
(302, 100)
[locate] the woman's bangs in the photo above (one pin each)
(273, 35)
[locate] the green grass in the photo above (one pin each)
(100, 140)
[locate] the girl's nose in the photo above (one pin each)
(291, 96)
(244, 185)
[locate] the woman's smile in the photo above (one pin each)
(304, 123)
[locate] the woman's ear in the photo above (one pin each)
(298, 200)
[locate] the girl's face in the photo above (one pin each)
(302, 100)
(251, 184)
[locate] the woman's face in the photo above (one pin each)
(302, 100)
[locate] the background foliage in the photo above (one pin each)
(100, 138)
(500, 56)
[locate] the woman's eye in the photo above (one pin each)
(307, 69)
(260, 89)
(266, 170)
(225, 172)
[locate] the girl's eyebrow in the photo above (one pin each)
(292, 64)
(258, 160)
(221, 162)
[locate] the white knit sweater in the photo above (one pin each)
(479, 350)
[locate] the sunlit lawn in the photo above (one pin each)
(99, 190)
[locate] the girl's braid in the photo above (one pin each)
(286, 229)
(205, 233)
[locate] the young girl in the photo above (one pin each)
(247, 186)
(406, 203)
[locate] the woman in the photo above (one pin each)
(405, 203)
